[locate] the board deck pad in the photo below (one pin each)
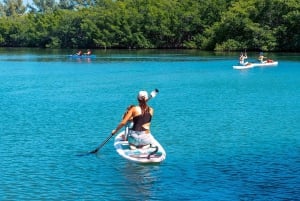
(153, 154)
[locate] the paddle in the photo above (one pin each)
(152, 95)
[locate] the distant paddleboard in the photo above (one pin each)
(252, 65)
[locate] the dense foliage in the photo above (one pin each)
(268, 25)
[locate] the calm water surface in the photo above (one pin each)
(229, 134)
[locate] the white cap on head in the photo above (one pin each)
(143, 95)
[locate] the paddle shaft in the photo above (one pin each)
(101, 145)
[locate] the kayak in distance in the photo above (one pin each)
(252, 65)
(75, 56)
(153, 153)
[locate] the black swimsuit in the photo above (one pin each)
(140, 120)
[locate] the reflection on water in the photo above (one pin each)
(81, 60)
(140, 181)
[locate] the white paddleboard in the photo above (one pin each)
(274, 63)
(252, 65)
(243, 67)
(153, 154)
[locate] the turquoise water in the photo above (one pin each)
(228, 134)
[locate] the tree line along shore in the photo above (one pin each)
(215, 25)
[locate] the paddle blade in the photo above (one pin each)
(154, 93)
(87, 153)
(98, 148)
(83, 154)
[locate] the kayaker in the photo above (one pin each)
(88, 52)
(141, 115)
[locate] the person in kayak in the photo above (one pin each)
(88, 52)
(141, 115)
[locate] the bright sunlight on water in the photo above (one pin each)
(228, 134)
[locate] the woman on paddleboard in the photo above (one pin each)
(141, 115)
